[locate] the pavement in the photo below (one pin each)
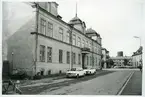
(134, 86)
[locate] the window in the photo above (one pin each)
(74, 39)
(68, 37)
(90, 45)
(79, 58)
(60, 56)
(79, 41)
(83, 43)
(49, 54)
(42, 53)
(61, 34)
(50, 29)
(93, 61)
(87, 44)
(68, 58)
(43, 26)
(87, 60)
(74, 58)
(90, 61)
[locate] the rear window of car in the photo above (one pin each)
(73, 69)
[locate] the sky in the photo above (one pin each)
(117, 21)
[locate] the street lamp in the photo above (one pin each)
(140, 46)
(12, 60)
(138, 38)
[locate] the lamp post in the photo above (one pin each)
(140, 46)
(12, 61)
(138, 38)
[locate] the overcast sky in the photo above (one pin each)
(117, 21)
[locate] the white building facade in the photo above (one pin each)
(48, 45)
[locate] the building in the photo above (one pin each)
(120, 53)
(46, 44)
(137, 57)
(120, 60)
(105, 54)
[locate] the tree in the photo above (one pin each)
(110, 63)
(126, 62)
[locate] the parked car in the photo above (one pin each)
(75, 72)
(89, 71)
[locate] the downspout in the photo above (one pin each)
(36, 37)
(92, 55)
(71, 46)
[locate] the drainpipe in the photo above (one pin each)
(36, 37)
(92, 55)
(71, 26)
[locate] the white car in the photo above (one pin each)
(75, 72)
(90, 71)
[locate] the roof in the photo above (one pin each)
(92, 31)
(119, 58)
(105, 49)
(138, 52)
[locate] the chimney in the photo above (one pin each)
(52, 8)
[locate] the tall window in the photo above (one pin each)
(68, 37)
(50, 29)
(68, 57)
(90, 45)
(96, 60)
(60, 56)
(43, 26)
(61, 34)
(74, 39)
(90, 61)
(83, 43)
(79, 41)
(87, 44)
(87, 60)
(74, 58)
(79, 58)
(49, 54)
(42, 53)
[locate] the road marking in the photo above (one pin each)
(126, 82)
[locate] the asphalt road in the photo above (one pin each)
(134, 86)
(105, 82)
(60, 84)
(108, 84)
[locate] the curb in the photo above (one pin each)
(124, 84)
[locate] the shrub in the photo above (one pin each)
(20, 75)
(37, 76)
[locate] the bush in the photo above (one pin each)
(37, 76)
(20, 75)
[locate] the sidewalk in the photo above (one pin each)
(134, 86)
(25, 83)
(46, 81)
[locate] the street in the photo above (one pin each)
(106, 82)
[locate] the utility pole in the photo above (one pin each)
(12, 61)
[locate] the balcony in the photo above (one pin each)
(85, 50)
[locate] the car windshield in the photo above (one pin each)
(73, 69)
